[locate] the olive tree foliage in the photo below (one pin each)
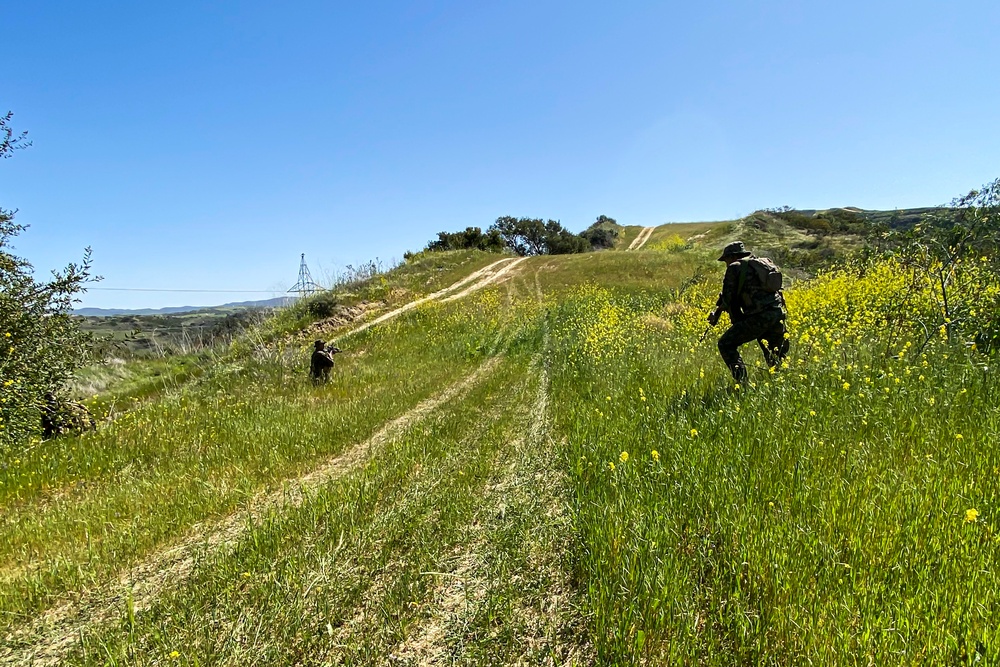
(8, 142)
(472, 238)
(521, 236)
(955, 248)
(41, 343)
(534, 236)
(603, 233)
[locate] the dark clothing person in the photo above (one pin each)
(767, 328)
(321, 362)
(61, 415)
(757, 312)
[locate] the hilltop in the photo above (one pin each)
(539, 460)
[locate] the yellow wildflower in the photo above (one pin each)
(971, 515)
(655, 454)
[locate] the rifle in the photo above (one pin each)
(713, 319)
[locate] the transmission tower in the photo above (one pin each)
(305, 286)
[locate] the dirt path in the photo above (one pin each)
(54, 632)
(641, 239)
(485, 276)
(488, 280)
(508, 598)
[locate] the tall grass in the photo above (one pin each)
(839, 511)
(341, 576)
(77, 510)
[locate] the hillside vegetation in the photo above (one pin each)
(538, 460)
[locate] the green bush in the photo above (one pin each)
(41, 344)
(321, 305)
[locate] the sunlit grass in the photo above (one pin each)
(840, 510)
(819, 514)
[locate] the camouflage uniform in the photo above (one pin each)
(320, 363)
(61, 416)
(756, 314)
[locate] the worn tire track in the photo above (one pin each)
(485, 276)
(641, 239)
(552, 631)
(54, 632)
(495, 277)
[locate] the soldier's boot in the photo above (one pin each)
(739, 371)
(730, 352)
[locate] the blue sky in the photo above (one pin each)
(206, 145)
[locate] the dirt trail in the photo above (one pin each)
(52, 635)
(641, 239)
(485, 276)
(543, 618)
(493, 278)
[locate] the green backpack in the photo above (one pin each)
(768, 274)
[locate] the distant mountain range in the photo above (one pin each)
(172, 310)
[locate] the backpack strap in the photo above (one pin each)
(742, 291)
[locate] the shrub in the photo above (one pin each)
(41, 343)
(472, 238)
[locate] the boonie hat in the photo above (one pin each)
(734, 249)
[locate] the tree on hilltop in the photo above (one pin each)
(472, 238)
(533, 236)
(602, 234)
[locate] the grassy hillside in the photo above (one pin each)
(543, 464)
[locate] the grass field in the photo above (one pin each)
(541, 466)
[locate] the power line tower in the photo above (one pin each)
(305, 286)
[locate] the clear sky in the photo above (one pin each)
(205, 145)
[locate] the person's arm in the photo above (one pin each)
(728, 297)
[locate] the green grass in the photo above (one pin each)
(78, 508)
(695, 233)
(346, 576)
(819, 515)
(422, 275)
(117, 385)
(822, 514)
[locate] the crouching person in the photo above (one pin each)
(751, 294)
(321, 361)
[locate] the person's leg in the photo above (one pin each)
(766, 349)
(729, 348)
(773, 341)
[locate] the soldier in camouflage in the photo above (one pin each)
(756, 311)
(321, 361)
(60, 416)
